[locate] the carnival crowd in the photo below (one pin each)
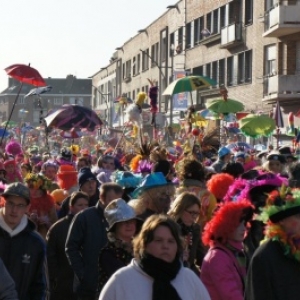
(149, 224)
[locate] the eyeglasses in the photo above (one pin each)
(12, 205)
(194, 214)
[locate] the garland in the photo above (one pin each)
(274, 232)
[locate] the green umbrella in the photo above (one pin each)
(257, 125)
(224, 106)
(188, 84)
(10, 124)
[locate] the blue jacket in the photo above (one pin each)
(7, 285)
(87, 236)
(24, 256)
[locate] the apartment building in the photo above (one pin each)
(69, 90)
(252, 47)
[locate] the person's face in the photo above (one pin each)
(190, 215)
(125, 230)
(108, 164)
(163, 245)
(291, 225)
(275, 166)
(160, 202)
(81, 164)
(2, 174)
(14, 209)
(238, 235)
(110, 196)
(89, 187)
(80, 205)
(50, 172)
(24, 172)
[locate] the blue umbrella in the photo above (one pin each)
(4, 133)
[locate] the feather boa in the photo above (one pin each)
(41, 205)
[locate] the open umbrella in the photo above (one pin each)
(39, 90)
(24, 74)
(9, 124)
(221, 106)
(73, 116)
(257, 125)
(188, 84)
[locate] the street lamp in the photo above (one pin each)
(172, 48)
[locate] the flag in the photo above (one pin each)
(278, 116)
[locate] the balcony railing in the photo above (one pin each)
(282, 19)
(281, 87)
(231, 35)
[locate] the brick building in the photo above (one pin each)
(69, 90)
(250, 46)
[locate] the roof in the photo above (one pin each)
(69, 85)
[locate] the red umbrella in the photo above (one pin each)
(24, 74)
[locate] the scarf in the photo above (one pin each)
(163, 273)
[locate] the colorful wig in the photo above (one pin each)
(225, 220)
(219, 184)
(67, 177)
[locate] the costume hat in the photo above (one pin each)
(151, 181)
(118, 211)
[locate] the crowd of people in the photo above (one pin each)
(149, 225)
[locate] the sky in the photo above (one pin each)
(61, 37)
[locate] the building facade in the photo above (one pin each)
(69, 90)
(252, 47)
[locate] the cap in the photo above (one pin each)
(223, 151)
(17, 189)
(118, 211)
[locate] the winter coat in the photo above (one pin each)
(222, 275)
(61, 274)
(87, 236)
(272, 274)
(7, 285)
(24, 256)
(131, 282)
(115, 255)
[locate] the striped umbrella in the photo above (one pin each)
(278, 116)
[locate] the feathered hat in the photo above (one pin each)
(13, 148)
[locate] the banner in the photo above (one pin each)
(180, 101)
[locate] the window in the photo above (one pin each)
(163, 46)
(172, 42)
(128, 69)
(78, 101)
(214, 70)
(248, 66)
(213, 24)
(230, 72)
(133, 95)
(134, 66)
(248, 12)
(198, 71)
(221, 80)
(188, 36)
(124, 71)
(234, 12)
(270, 60)
(198, 26)
(58, 101)
(138, 65)
(145, 60)
(180, 35)
(36, 116)
(154, 54)
(21, 100)
(223, 16)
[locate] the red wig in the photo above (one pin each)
(219, 184)
(225, 220)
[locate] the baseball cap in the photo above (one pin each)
(17, 189)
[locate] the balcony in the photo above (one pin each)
(282, 19)
(281, 88)
(231, 36)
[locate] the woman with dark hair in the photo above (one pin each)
(224, 267)
(185, 210)
(156, 272)
(234, 169)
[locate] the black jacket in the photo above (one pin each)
(24, 256)
(61, 274)
(64, 209)
(272, 275)
(87, 236)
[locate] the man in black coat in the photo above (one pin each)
(87, 236)
(274, 271)
(22, 249)
(61, 274)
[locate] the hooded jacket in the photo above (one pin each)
(24, 256)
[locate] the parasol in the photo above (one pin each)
(24, 74)
(222, 106)
(257, 125)
(9, 124)
(73, 116)
(188, 84)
